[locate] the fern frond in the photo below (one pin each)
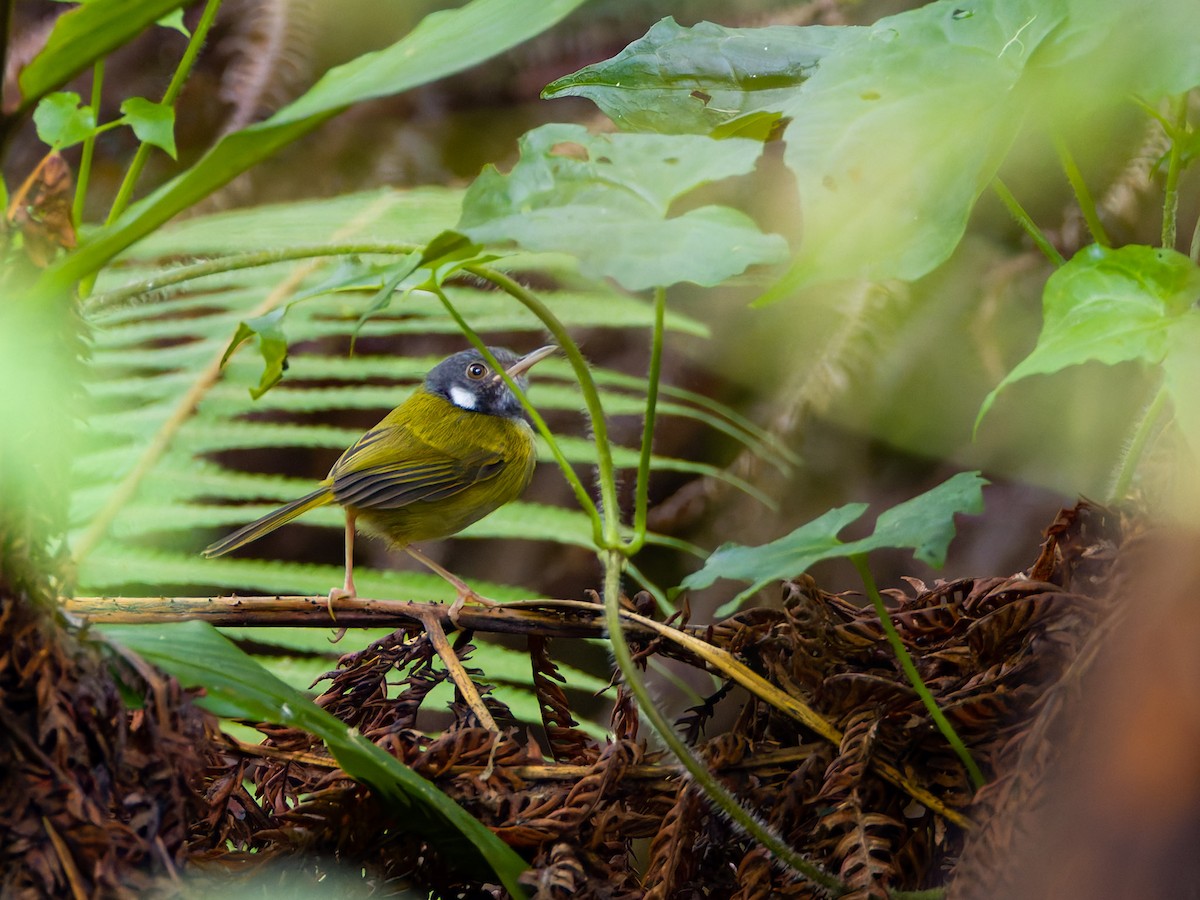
(164, 408)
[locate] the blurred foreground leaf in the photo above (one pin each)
(1112, 306)
(678, 80)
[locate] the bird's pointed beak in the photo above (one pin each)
(529, 360)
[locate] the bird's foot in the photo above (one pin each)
(335, 594)
(465, 597)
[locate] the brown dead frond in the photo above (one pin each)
(877, 807)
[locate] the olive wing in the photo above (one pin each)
(391, 467)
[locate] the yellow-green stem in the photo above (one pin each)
(642, 498)
(170, 95)
(1026, 222)
(1176, 132)
(1082, 195)
(914, 677)
(89, 147)
(1132, 456)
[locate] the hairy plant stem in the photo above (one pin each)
(914, 677)
(1083, 196)
(1132, 456)
(1176, 130)
(1026, 222)
(89, 147)
(221, 264)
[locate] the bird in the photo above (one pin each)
(457, 449)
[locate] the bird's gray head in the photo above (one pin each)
(468, 381)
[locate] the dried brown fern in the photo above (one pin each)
(988, 648)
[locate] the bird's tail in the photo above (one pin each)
(269, 522)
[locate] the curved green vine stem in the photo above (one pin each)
(606, 474)
(1026, 222)
(1175, 131)
(713, 789)
(1132, 455)
(914, 677)
(642, 495)
(613, 552)
(170, 95)
(581, 494)
(1083, 196)
(89, 148)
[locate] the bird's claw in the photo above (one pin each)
(465, 597)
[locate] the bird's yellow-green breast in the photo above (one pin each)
(431, 468)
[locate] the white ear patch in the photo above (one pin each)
(462, 397)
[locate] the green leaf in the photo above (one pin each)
(786, 557)
(924, 524)
(1109, 306)
(82, 36)
(443, 43)
(606, 199)
(61, 121)
(153, 123)
(899, 130)
(174, 21)
(678, 80)
(236, 686)
(391, 277)
(272, 346)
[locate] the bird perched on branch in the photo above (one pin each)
(459, 448)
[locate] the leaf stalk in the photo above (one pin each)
(914, 677)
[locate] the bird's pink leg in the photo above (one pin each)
(347, 590)
(465, 593)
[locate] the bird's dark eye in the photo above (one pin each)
(475, 371)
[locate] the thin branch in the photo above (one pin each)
(431, 620)
(548, 618)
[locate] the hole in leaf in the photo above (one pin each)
(571, 150)
(702, 97)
